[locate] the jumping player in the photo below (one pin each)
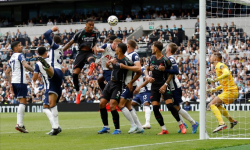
(143, 91)
(229, 95)
(53, 69)
(175, 87)
(159, 86)
(17, 64)
(113, 89)
(86, 40)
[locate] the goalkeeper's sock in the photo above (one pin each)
(217, 114)
(185, 115)
(225, 113)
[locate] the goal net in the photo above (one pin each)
(227, 32)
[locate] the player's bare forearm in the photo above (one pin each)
(138, 74)
(169, 78)
(144, 83)
(7, 74)
(28, 67)
(108, 65)
(146, 71)
(68, 45)
(131, 68)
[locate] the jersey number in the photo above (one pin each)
(108, 57)
(60, 60)
(12, 64)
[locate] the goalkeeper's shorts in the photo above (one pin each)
(229, 97)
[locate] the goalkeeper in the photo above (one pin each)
(229, 95)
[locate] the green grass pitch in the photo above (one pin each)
(80, 132)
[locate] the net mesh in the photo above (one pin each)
(228, 31)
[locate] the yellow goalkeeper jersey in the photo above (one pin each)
(227, 83)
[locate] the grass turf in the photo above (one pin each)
(80, 132)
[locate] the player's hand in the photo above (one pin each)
(151, 80)
(210, 90)
(151, 68)
(210, 80)
(136, 91)
(55, 28)
(100, 50)
(113, 61)
(163, 89)
(130, 86)
(161, 68)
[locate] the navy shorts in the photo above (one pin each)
(46, 99)
(126, 94)
(177, 94)
(20, 90)
(107, 75)
(142, 98)
(55, 83)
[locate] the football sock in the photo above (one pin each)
(127, 114)
(173, 111)
(185, 115)
(135, 118)
(225, 113)
(91, 60)
(50, 117)
(55, 114)
(158, 115)
(163, 127)
(76, 82)
(116, 119)
(20, 114)
(104, 116)
(217, 114)
(182, 121)
(147, 114)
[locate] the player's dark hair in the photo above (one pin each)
(173, 47)
(89, 20)
(132, 43)
(158, 45)
(14, 44)
(41, 50)
(57, 39)
(123, 47)
(218, 55)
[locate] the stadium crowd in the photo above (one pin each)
(226, 39)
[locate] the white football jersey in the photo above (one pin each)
(18, 70)
(140, 81)
(108, 54)
(56, 56)
(39, 68)
(134, 57)
(174, 83)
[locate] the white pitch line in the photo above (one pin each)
(135, 146)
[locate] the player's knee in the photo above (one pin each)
(177, 107)
(76, 71)
(134, 104)
(146, 104)
(102, 103)
(120, 106)
(112, 106)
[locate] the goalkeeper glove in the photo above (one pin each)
(210, 80)
(210, 90)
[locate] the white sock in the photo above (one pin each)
(135, 118)
(182, 121)
(185, 115)
(147, 114)
(50, 117)
(106, 126)
(55, 114)
(20, 114)
(127, 114)
(163, 127)
(179, 122)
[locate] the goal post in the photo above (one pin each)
(236, 14)
(202, 56)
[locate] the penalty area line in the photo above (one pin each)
(135, 146)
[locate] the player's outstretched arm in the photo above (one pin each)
(49, 39)
(135, 68)
(136, 91)
(68, 45)
(173, 70)
(35, 75)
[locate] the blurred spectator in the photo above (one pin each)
(128, 19)
(50, 23)
(173, 17)
(187, 107)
